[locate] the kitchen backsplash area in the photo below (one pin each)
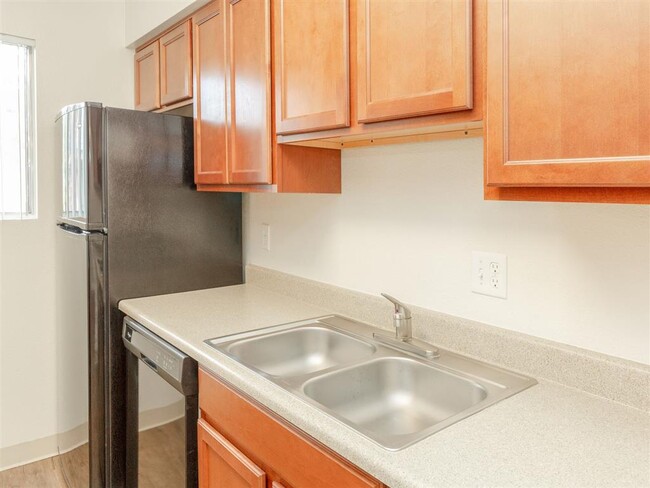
(409, 218)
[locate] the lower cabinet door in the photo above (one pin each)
(222, 465)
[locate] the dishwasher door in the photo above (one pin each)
(161, 447)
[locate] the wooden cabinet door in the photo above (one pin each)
(413, 58)
(176, 64)
(250, 92)
(147, 77)
(568, 93)
(210, 107)
(222, 465)
(311, 65)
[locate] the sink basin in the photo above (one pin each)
(299, 351)
(392, 398)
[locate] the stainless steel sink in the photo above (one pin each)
(393, 399)
(298, 351)
(391, 396)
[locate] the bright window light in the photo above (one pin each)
(17, 129)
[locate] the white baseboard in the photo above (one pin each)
(45, 447)
(28, 452)
(73, 438)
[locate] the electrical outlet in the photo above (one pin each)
(490, 274)
(266, 236)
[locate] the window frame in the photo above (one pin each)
(28, 211)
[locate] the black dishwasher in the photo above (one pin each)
(178, 441)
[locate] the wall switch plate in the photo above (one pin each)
(266, 236)
(490, 274)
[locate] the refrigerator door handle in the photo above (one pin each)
(75, 231)
(72, 230)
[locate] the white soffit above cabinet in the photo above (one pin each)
(147, 19)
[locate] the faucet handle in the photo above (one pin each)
(400, 308)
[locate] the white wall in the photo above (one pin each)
(409, 218)
(147, 18)
(80, 55)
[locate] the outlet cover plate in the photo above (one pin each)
(490, 274)
(266, 237)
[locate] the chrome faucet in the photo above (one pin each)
(401, 319)
(403, 338)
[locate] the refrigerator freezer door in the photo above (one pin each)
(80, 130)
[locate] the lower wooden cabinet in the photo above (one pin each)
(242, 444)
(222, 465)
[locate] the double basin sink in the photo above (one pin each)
(391, 396)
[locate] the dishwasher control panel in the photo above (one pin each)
(172, 364)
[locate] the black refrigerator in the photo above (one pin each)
(131, 225)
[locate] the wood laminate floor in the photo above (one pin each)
(162, 464)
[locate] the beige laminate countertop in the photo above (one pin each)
(546, 436)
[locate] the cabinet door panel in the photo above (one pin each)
(210, 108)
(250, 92)
(413, 58)
(570, 105)
(311, 65)
(147, 78)
(176, 65)
(222, 465)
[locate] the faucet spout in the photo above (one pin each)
(403, 338)
(401, 319)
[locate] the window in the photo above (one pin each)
(17, 129)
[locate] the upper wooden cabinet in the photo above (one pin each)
(249, 47)
(234, 142)
(147, 75)
(311, 65)
(210, 91)
(417, 72)
(568, 97)
(176, 64)
(413, 58)
(163, 70)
